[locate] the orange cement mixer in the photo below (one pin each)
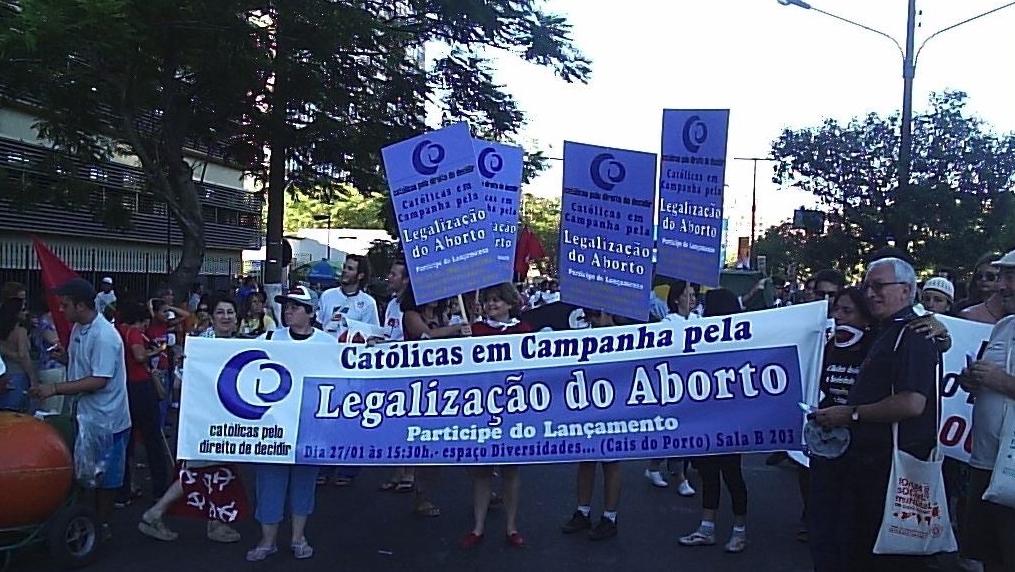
(36, 470)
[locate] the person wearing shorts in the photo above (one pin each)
(97, 375)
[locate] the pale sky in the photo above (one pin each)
(773, 66)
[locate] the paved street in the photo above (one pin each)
(360, 528)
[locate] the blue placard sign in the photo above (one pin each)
(691, 182)
(443, 223)
(606, 229)
(500, 169)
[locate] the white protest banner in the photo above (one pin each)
(722, 385)
(956, 406)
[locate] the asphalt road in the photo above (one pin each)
(359, 528)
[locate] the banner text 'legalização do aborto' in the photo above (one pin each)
(712, 386)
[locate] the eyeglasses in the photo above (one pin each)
(986, 276)
(878, 286)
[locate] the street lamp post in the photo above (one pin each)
(754, 197)
(321, 218)
(909, 59)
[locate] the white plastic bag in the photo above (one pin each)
(1001, 489)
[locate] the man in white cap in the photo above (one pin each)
(106, 298)
(938, 295)
(989, 526)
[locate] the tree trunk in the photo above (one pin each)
(191, 224)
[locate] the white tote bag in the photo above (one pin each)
(1001, 489)
(916, 520)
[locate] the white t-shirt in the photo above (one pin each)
(103, 299)
(675, 317)
(96, 350)
(359, 306)
(988, 410)
(283, 334)
(393, 316)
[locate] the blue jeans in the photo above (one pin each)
(275, 483)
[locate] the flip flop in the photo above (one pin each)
(388, 486)
(341, 482)
(405, 486)
(427, 509)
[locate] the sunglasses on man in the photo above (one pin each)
(986, 276)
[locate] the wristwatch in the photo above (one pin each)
(855, 415)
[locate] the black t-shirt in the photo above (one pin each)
(913, 366)
(840, 368)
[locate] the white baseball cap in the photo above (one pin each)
(942, 285)
(107, 280)
(1006, 260)
(300, 294)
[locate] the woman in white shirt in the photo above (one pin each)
(680, 301)
(275, 483)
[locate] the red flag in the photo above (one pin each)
(528, 249)
(54, 273)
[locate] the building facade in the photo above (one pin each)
(142, 249)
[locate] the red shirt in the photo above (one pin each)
(136, 371)
(485, 329)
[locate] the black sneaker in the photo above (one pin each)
(604, 529)
(577, 523)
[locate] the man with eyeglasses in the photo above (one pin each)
(897, 382)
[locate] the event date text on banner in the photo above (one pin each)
(443, 224)
(692, 176)
(722, 385)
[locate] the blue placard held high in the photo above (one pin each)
(691, 181)
(606, 229)
(442, 222)
(500, 169)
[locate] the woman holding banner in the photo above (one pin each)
(297, 482)
(720, 302)
(502, 305)
(188, 495)
(425, 322)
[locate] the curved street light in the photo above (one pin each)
(909, 58)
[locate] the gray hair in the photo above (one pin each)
(903, 273)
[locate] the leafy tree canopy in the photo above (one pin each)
(542, 216)
(959, 203)
(322, 84)
(347, 207)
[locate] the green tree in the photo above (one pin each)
(958, 205)
(793, 251)
(322, 84)
(347, 207)
(542, 216)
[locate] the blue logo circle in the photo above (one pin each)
(228, 385)
(695, 133)
(606, 171)
(490, 162)
(426, 156)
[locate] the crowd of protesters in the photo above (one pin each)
(122, 371)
